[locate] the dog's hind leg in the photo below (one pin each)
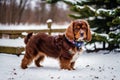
(28, 58)
(39, 59)
(25, 61)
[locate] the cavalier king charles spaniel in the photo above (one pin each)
(66, 48)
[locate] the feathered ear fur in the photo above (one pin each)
(69, 32)
(88, 33)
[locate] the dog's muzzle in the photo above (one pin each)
(81, 37)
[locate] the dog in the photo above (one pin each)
(66, 48)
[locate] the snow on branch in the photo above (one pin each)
(110, 12)
(82, 7)
(74, 2)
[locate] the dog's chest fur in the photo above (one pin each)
(75, 54)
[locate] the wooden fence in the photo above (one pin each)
(18, 33)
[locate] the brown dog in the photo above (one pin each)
(66, 48)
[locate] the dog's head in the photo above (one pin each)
(78, 30)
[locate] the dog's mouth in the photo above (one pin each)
(80, 35)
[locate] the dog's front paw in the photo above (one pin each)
(23, 67)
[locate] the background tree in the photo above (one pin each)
(11, 11)
(104, 19)
(32, 12)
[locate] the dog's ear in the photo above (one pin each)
(88, 32)
(69, 31)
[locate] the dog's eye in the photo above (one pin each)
(84, 29)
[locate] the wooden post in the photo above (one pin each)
(49, 23)
(11, 50)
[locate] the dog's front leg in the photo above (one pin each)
(72, 65)
(65, 63)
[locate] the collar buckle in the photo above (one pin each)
(78, 44)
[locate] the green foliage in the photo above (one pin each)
(116, 20)
(115, 38)
(105, 19)
(105, 13)
(68, 2)
(118, 1)
(83, 11)
(98, 38)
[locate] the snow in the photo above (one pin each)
(91, 18)
(19, 42)
(49, 21)
(32, 26)
(22, 27)
(90, 66)
(74, 1)
(91, 8)
(111, 12)
(105, 35)
(82, 7)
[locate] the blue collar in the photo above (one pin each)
(78, 44)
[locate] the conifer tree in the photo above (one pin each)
(104, 19)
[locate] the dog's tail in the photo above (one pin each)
(28, 37)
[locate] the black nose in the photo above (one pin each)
(81, 34)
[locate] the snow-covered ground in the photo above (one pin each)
(90, 66)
